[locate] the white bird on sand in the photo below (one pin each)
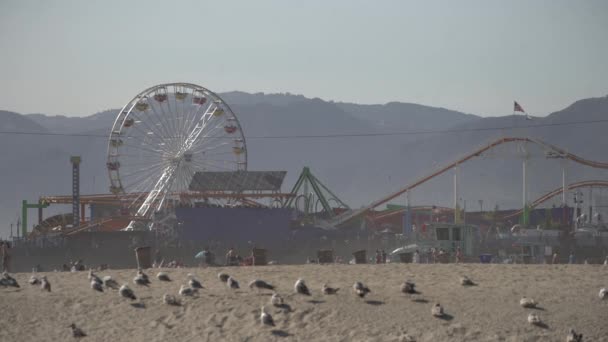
(330, 290)
(186, 291)
(603, 293)
(223, 277)
(360, 289)
(465, 281)
(301, 288)
(232, 283)
(76, 331)
(163, 276)
(437, 310)
(408, 287)
(170, 299)
(126, 292)
(144, 277)
(528, 303)
(141, 279)
(34, 280)
(260, 285)
(193, 282)
(110, 283)
(276, 300)
(265, 318)
(96, 286)
(93, 277)
(534, 319)
(574, 337)
(45, 285)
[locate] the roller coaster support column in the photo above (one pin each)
(456, 198)
(407, 222)
(526, 213)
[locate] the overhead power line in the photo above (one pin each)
(340, 135)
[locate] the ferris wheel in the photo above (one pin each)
(166, 134)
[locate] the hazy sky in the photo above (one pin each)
(80, 57)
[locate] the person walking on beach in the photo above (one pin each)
(554, 260)
(571, 258)
(416, 258)
(5, 254)
(458, 255)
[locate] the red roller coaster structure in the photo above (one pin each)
(351, 214)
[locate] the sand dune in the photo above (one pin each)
(490, 311)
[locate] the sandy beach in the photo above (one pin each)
(490, 311)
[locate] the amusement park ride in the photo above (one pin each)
(170, 134)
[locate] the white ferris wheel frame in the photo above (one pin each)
(187, 135)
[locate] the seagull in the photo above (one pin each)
(232, 283)
(223, 277)
(9, 281)
(186, 291)
(260, 285)
(533, 318)
(360, 289)
(96, 286)
(330, 290)
(301, 288)
(603, 293)
(195, 284)
(276, 299)
(110, 283)
(94, 277)
(437, 310)
(162, 276)
(44, 284)
(266, 318)
(76, 331)
(574, 337)
(33, 280)
(126, 292)
(170, 299)
(141, 279)
(408, 287)
(143, 276)
(465, 281)
(527, 303)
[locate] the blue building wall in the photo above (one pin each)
(235, 225)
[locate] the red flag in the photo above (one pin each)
(517, 107)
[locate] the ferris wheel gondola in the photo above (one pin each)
(166, 134)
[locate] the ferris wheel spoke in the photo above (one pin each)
(204, 165)
(140, 184)
(154, 136)
(220, 125)
(219, 153)
(144, 170)
(197, 125)
(197, 119)
(187, 115)
(205, 148)
(168, 133)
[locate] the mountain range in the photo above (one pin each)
(361, 152)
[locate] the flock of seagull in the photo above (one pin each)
(300, 287)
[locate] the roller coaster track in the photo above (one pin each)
(351, 214)
(558, 191)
